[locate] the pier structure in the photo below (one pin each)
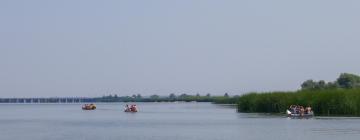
(48, 100)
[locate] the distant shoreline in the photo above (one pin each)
(115, 99)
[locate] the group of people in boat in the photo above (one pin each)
(131, 108)
(89, 107)
(298, 109)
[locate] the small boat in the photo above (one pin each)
(89, 107)
(132, 108)
(297, 115)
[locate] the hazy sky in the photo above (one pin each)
(91, 48)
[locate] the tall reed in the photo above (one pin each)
(323, 102)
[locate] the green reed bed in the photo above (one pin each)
(344, 102)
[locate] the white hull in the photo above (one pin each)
(311, 114)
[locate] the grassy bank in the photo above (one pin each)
(344, 102)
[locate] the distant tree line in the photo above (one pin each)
(345, 80)
(170, 98)
(133, 98)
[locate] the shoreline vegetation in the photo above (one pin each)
(328, 102)
(338, 98)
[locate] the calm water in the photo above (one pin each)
(163, 121)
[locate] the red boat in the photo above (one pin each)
(89, 107)
(132, 108)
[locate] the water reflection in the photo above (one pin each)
(337, 118)
(332, 131)
(261, 115)
(164, 121)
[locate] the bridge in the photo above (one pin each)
(48, 100)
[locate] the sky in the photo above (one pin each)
(91, 48)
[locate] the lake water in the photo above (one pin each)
(164, 121)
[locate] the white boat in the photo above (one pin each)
(305, 115)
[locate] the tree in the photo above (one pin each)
(172, 96)
(226, 95)
(133, 96)
(208, 95)
(347, 80)
(182, 96)
(321, 84)
(154, 96)
(311, 84)
(308, 84)
(332, 85)
(138, 96)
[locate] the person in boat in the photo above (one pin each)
(133, 108)
(308, 110)
(293, 109)
(297, 109)
(302, 110)
(127, 107)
